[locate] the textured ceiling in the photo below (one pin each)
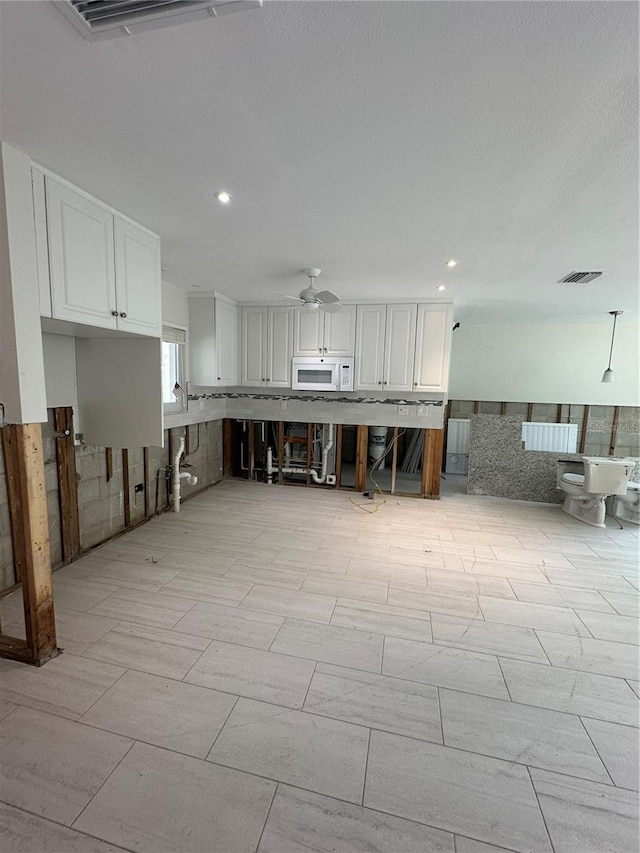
(374, 140)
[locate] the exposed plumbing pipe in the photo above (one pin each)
(177, 475)
(321, 478)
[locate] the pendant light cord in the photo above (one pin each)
(613, 334)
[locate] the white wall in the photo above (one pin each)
(22, 388)
(545, 364)
(60, 371)
(174, 306)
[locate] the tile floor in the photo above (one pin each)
(278, 670)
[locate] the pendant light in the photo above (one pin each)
(607, 376)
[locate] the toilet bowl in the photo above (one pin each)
(627, 507)
(585, 494)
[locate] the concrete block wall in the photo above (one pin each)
(599, 425)
(101, 502)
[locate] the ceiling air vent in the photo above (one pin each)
(103, 19)
(579, 277)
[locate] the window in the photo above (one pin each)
(174, 392)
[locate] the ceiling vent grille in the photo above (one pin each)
(579, 277)
(103, 19)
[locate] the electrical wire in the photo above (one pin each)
(368, 508)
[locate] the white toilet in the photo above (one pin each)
(627, 507)
(586, 493)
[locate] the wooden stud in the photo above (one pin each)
(187, 440)
(529, 411)
(503, 408)
(67, 482)
(432, 463)
(559, 414)
(583, 431)
(125, 488)
(338, 456)
(108, 457)
(14, 496)
(362, 441)
(251, 449)
(280, 450)
(227, 448)
(614, 430)
(147, 495)
(394, 461)
(309, 449)
(476, 407)
(26, 483)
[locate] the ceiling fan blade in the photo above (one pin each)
(327, 296)
(331, 307)
(288, 296)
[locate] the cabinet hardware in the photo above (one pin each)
(114, 313)
(123, 314)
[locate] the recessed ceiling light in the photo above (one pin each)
(442, 287)
(223, 197)
(451, 263)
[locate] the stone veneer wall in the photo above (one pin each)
(101, 503)
(499, 466)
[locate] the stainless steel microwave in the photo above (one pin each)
(322, 373)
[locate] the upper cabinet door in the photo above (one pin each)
(254, 346)
(433, 347)
(137, 254)
(81, 257)
(308, 332)
(279, 346)
(369, 347)
(340, 331)
(226, 337)
(400, 342)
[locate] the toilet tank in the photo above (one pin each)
(603, 476)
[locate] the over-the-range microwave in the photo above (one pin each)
(322, 373)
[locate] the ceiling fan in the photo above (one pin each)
(314, 300)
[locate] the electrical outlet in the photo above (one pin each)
(138, 494)
(403, 410)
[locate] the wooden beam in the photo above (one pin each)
(309, 449)
(14, 497)
(529, 411)
(614, 430)
(362, 443)
(227, 448)
(476, 407)
(125, 487)
(251, 449)
(583, 431)
(23, 443)
(338, 456)
(394, 460)
(187, 440)
(432, 463)
(67, 482)
(280, 450)
(108, 456)
(147, 495)
(503, 408)
(559, 414)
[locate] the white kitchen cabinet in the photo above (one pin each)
(399, 348)
(103, 270)
(385, 347)
(137, 256)
(213, 340)
(226, 324)
(267, 339)
(324, 332)
(81, 258)
(433, 347)
(279, 346)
